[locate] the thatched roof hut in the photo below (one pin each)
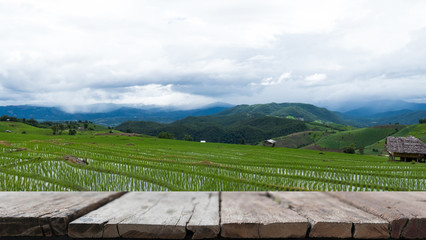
(407, 148)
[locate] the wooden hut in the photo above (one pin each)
(406, 148)
(269, 143)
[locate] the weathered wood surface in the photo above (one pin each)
(204, 222)
(406, 211)
(152, 215)
(331, 218)
(254, 215)
(46, 213)
(201, 215)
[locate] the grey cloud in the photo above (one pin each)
(212, 52)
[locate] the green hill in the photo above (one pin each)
(417, 130)
(246, 123)
(337, 138)
(21, 128)
(358, 138)
(307, 112)
(37, 161)
(235, 128)
(316, 132)
(298, 140)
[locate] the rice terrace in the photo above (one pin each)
(32, 159)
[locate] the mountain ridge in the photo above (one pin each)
(110, 118)
(302, 111)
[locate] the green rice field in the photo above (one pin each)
(34, 161)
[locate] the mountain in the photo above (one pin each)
(233, 128)
(307, 112)
(112, 115)
(366, 110)
(110, 118)
(404, 116)
(253, 123)
(411, 117)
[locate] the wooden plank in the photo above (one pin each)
(331, 218)
(204, 222)
(254, 215)
(406, 211)
(152, 215)
(45, 213)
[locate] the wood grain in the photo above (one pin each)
(46, 213)
(152, 215)
(331, 218)
(254, 215)
(406, 211)
(204, 222)
(179, 215)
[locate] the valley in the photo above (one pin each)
(38, 161)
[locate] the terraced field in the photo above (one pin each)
(34, 161)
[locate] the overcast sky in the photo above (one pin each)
(191, 53)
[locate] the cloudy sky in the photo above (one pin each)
(191, 53)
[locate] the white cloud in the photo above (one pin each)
(315, 79)
(208, 51)
(270, 81)
(260, 58)
(147, 95)
(284, 76)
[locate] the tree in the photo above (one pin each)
(55, 129)
(421, 121)
(166, 135)
(361, 150)
(62, 128)
(8, 118)
(188, 137)
(32, 122)
(350, 150)
(72, 132)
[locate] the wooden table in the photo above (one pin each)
(213, 215)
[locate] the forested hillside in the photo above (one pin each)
(307, 112)
(241, 124)
(113, 117)
(236, 128)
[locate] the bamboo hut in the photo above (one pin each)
(406, 148)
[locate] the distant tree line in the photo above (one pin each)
(57, 127)
(30, 121)
(423, 120)
(238, 129)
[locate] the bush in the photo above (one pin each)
(349, 150)
(166, 135)
(72, 132)
(188, 137)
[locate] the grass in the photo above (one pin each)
(417, 131)
(359, 137)
(34, 162)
